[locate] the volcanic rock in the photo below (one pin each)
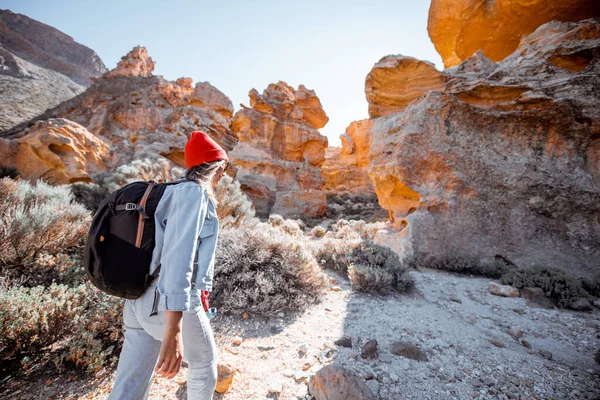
(505, 159)
(141, 116)
(40, 67)
(280, 151)
(458, 28)
(336, 383)
(56, 150)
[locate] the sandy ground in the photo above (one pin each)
(452, 318)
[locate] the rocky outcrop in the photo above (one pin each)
(397, 80)
(40, 67)
(505, 159)
(139, 115)
(57, 151)
(346, 169)
(280, 151)
(47, 47)
(459, 28)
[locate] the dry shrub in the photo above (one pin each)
(318, 231)
(38, 218)
(34, 321)
(354, 229)
(276, 220)
(234, 208)
(89, 194)
(376, 268)
(261, 271)
(463, 264)
(560, 287)
(158, 170)
(592, 286)
(334, 254)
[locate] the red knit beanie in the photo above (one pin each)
(201, 149)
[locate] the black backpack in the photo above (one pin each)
(119, 248)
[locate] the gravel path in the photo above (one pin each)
(452, 319)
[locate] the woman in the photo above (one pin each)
(168, 322)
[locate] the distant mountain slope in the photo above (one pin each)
(40, 67)
(49, 48)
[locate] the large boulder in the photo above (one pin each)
(280, 150)
(505, 159)
(459, 28)
(56, 150)
(139, 115)
(336, 383)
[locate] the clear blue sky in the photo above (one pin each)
(329, 46)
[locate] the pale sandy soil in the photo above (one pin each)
(451, 318)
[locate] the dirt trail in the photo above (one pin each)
(452, 318)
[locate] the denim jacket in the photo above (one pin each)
(187, 228)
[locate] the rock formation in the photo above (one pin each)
(395, 81)
(280, 151)
(346, 169)
(56, 150)
(40, 67)
(139, 115)
(48, 48)
(504, 159)
(458, 28)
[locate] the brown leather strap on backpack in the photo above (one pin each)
(140, 232)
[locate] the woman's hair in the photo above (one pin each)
(203, 174)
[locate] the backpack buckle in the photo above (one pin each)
(130, 206)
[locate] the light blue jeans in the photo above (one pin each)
(143, 336)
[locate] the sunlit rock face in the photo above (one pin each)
(56, 150)
(280, 151)
(139, 115)
(346, 169)
(458, 28)
(397, 80)
(505, 159)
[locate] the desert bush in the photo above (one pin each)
(158, 170)
(318, 231)
(376, 268)
(234, 208)
(592, 286)
(276, 220)
(89, 194)
(354, 229)
(563, 289)
(8, 172)
(38, 218)
(360, 206)
(334, 254)
(464, 264)
(261, 271)
(78, 324)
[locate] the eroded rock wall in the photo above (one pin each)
(504, 159)
(280, 151)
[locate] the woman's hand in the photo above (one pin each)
(171, 350)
